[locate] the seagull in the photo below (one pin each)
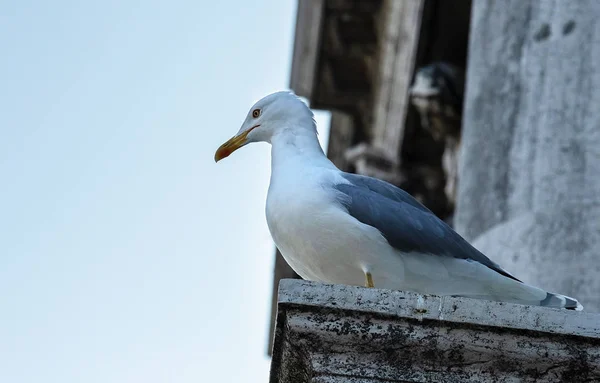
(343, 228)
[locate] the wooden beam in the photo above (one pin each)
(399, 43)
(306, 46)
(341, 135)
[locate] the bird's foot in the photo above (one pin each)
(369, 279)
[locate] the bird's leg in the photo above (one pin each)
(369, 279)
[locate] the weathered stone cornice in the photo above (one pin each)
(335, 333)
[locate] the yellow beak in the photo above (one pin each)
(233, 144)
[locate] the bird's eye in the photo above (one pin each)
(256, 113)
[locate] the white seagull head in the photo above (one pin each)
(277, 112)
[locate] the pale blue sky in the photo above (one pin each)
(126, 253)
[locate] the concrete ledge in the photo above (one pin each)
(334, 333)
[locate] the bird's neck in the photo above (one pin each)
(297, 148)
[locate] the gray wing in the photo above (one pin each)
(406, 224)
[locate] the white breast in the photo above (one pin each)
(317, 237)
